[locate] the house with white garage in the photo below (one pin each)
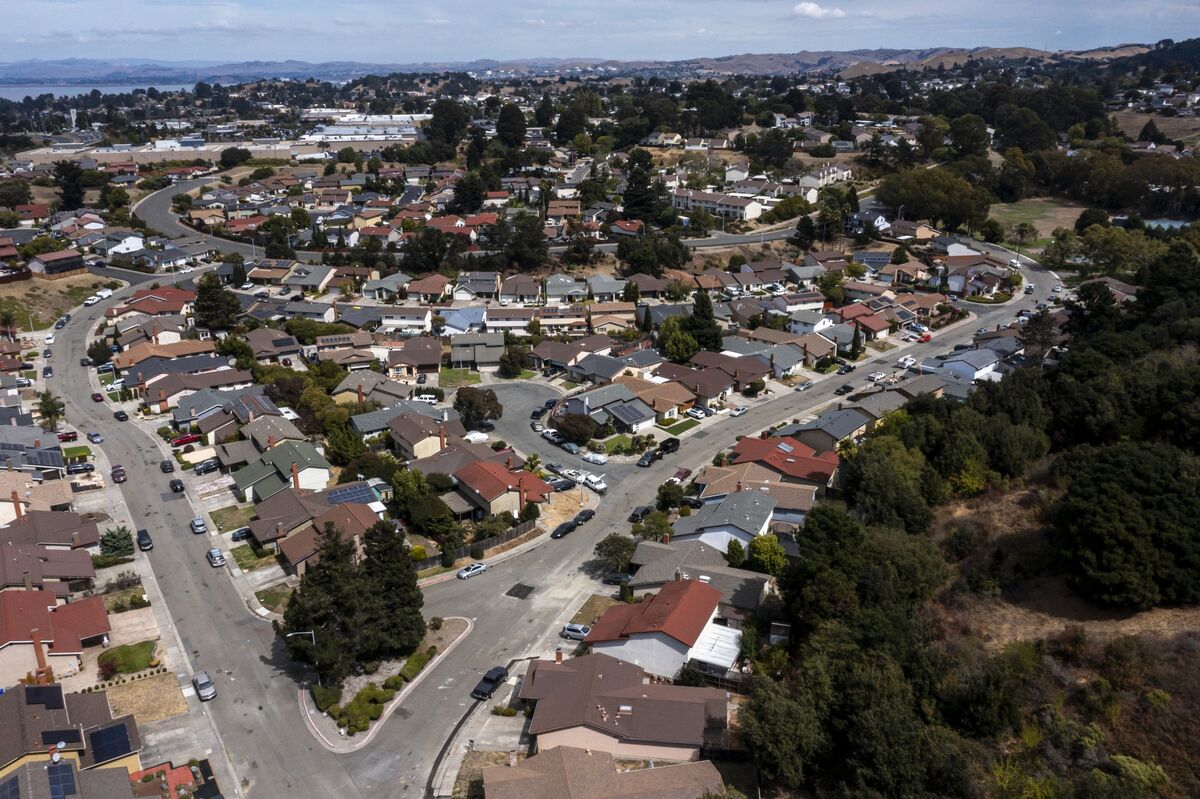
(973, 364)
(741, 516)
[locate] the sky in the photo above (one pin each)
(462, 30)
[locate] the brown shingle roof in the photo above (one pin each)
(565, 772)
(680, 611)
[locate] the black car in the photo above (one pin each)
(585, 515)
(167, 466)
(205, 467)
(421, 378)
(177, 486)
(85, 361)
(640, 512)
(145, 543)
(647, 458)
(60, 324)
(695, 503)
(47, 371)
(47, 353)
(550, 403)
(262, 295)
(240, 534)
(561, 484)
(80, 468)
(617, 578)
(564, 529)
(845, 370)
(844, 389)
(487, 686)
(670, 445)
(537, 413)
(121, 416)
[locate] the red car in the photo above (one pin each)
(97, 396)
(190, 438)
(68, 436)
(925, 337)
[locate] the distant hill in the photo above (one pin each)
(1183, 52)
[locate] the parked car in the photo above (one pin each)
(536, 426)
(682, 474)
(804, 386)
(648, 458)
(584, 516)
(492, 680)
(60, 324)
(595, 483)
(177, 485)
(640, 512)
(570, 447)
(696, 413)
(1057, 289)
(215, 558)
(845, 370)
(669, 445)
(97, 396)
(561, 484)
(428, 399)
(47, 353)
(550, 403)
(876, 377)
(118, 474)
(617, 578)
(422, 379)
(695, 503)
(207, 467)
(738, 411)
(205, 689)
(707, 411)
(49, 338)
(80, 468)
(596, 457)
(575, 632)
(121, 416)
(843, 389)
(906, 362)
(166, 466)
(537, 413)
(68, 435)
(47, 371)
(469, 571)
(24, 382)
(240, 534)
(92, 300)
(553, 436)
(564, 529)
(1029, 289)
(95, 438)
(144, 541)
(925, 337)
(198, 526)
(184, 440)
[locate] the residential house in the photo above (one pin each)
(741, 371)
(492, 488)
(431, 288)
(742, 592)
(709, 385)
(386, 288)
(728, 206)
(458, 321)
(666, 631)
(300, 549)
(520, 289)
(556, 354)
(740, 516)
(309, 278)
(366, 385)
(598, 370)
(615, 403)
(575, 772)
(297, 464)
(477, 286)
(668, 400)
(476, 350)
(56, 264)
(416, 436)
(38, 636)
(604, 288)
(30, 449)
(414, 356)
(406, 321)
(977, 364)
(603, 703)
(909, 273)
(270, 345)
(793, 460)
(829, 429)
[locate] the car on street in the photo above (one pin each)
(80, 468)
(262, 295)
(215, 558)
(422, 379)
(92, 300)
(550, 403)
(617, 578)
(187, 270)
(596, 457)
(553, 436)
(682, 474)
(97, 396)
(564, 529)
(696, 413)
(561, 484)
(60, 324)
(843, 389)
(537, 413)
(906, 362)
(198, 526)
(118, 474)
(876, 377)
(95, 438)
(574, 632)
(925, 337)
(176, 486)
(846, 369)
(121, 416)
(205, 689)
(805, 386)
(738, 411)
(1057, 289)
(648, 458)
(492, 680)
(584, 516)
(536, 426)
(47, 371)
(1029, 289)
(240, 534)
(640, 512)
(554, 467)
(49, 338)
(669, 445)
(570, 447)
(595, 483)
(166, 466)
(144, 541)
(47, 353)
(469, 571)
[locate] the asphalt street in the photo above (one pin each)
(256, 710)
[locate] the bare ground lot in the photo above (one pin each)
(151, 699)
(47, 299)
(1131, 124)
(1043, 213)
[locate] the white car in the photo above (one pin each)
(876, 377)
(696, 413)
(595, 483)
(476, 437)
(467, 572)
(216, 558)
(553, 436)
(185, 269)
(906, 362)
(738, 411)
(595, 457)
(246, 286)
(49, 338)
(92, 300)
(1058, 289)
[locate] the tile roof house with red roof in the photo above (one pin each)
(35, 631)
(664, 632)
(793, 460)
(493, 489)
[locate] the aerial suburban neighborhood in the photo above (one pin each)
(815, 424)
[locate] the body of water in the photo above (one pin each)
(19, 92)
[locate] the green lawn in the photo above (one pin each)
(131, 657)
(999, 298)
(232, 517)
(616, 441)
(1042, 212)
(250, 558)
(682, 427)
(449, 379)
(71, 453)
(570, 385)
(526, 374)
(275, 598)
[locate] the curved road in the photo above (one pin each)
(256, 710)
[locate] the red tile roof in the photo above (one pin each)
(491, 480)
(63, 628)
(680, 610)
(789, 457)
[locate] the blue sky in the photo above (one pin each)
(454, 30)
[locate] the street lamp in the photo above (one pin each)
(312, 636)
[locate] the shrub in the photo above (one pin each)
(447, 558)
(503, 710)
(439, 483)
(435, 623)
(394, 683)
(499, 444)
(477, 552)
(108, 668)
(412, 667)
(325, 698)
(417, 553)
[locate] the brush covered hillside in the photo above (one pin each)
(1004, 603)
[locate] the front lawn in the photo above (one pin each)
(232, 517)
(526, 374)
(249, 557)
(130, 658)
(681, 427)
(1000, 297)
(450, 379)
(616, 441)
(275, 598)
(79, 451)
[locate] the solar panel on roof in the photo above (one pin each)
(11, 788)
(51, 737)
(110, 743)
(48, 696)
(62, 780)
(785, 447)
(360, 493)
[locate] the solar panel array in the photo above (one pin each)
(110, 743)
(11, 788)
(356, 492)
(48, 696)
(62, 780)
(51, 737)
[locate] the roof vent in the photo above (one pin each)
(625, 710)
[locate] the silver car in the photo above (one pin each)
(575, 632)
(467, 572)
(215, 558)
(204, 686)
(198, 525)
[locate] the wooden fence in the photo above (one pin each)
(486, 543)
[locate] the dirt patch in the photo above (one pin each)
(562, 506)
(469, 782)
(1183, 128)
(593, 609)
(441, 638)
(1044, 214)
(47, 300)
(151, 699)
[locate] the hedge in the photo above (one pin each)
(326, 697)
(365, 707)
(417, 661)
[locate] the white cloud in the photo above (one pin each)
(815, 11)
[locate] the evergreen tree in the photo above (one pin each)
(642, 199)
(856, 343)
(69, 176)
(702, 324)
(805, 234)
(510, 125)
(394, 601)
(216, 307)
(543, 115)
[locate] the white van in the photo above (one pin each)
(429, 398)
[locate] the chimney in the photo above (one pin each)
(37, 443)
(362, 401)
(16, 500)
(521, 492)
(666, 539)
(75, 540)
(295, 477)
(36, 635)
(558, 654)
(442, 435)
(279, 529)
(507, 463)
(739, 488)
(28, 580)
(271, 441)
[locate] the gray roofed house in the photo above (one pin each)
(661, 313)
(147, 370)
(842, 335)
(829, 429)
(29, 449)
(784, 359)
(476, 349)
(633, 416)
(205, 401)
(880, 403)
(374, 422)
(268, 431)
(742, 515)
(742, 591)
(643, 359)
(562, 288)
(321, 312)
(606, 289)
(739, 346)
(596, 369)
(374, 387)
(463, 320)
(386, 288)
(363, 317)
(477, 285)
(804, 273)
(309, 277)
(591, 402)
